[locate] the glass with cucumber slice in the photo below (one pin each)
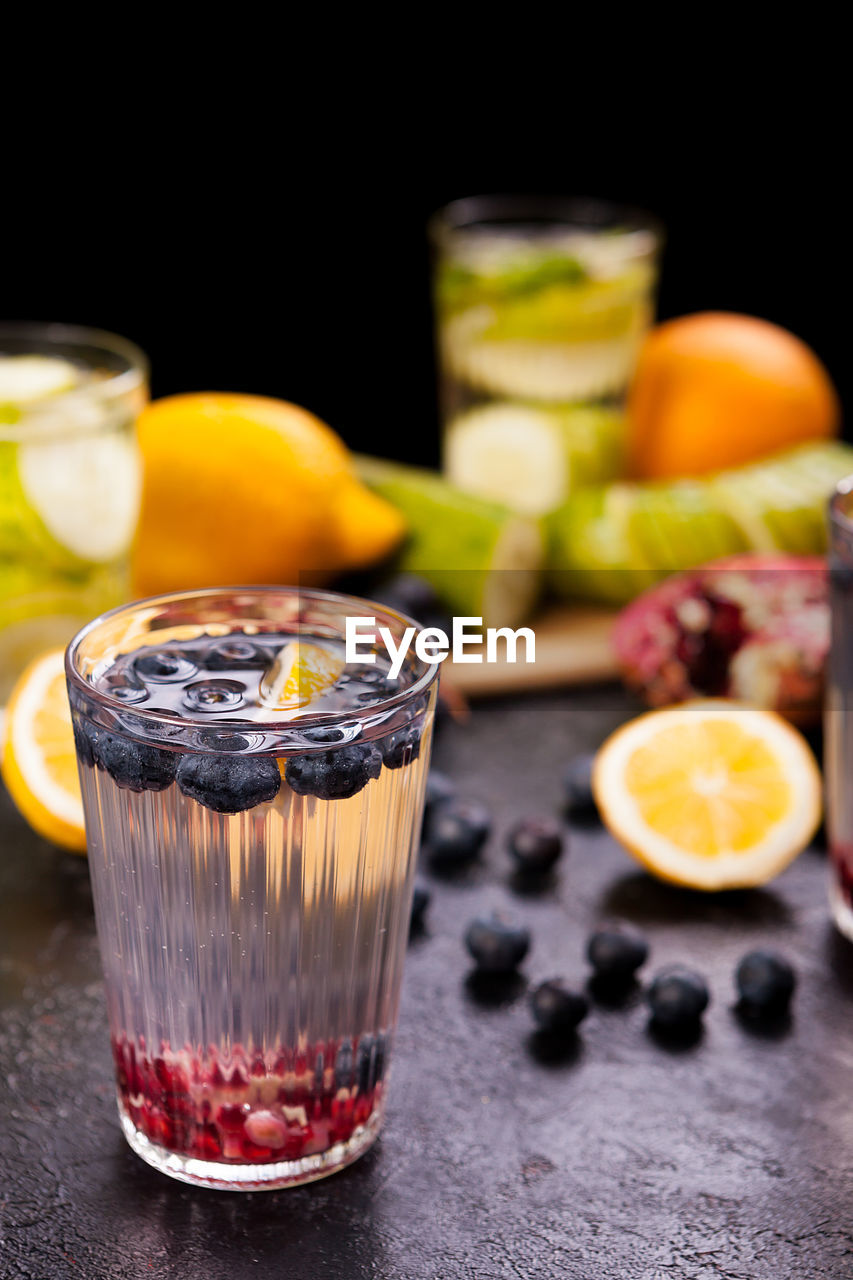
(70, 482)
(541, 305)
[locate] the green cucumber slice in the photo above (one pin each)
(530, 458)
(482, 559)
(592, 551)
(604, 542)
(86, 491)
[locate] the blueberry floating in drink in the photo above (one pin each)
(164, 666)
(334, 775)
(132, 765)
(401, 747)
(237, 652)
(228, 784)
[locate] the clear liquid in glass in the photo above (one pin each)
(253, 959)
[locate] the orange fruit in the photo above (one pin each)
(39, 760)
(712, 794)
(715, 389)
(241, 488)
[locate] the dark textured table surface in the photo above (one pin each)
(622, 1157)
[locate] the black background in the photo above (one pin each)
(276, 243)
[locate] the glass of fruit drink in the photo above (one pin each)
(253, 808)
(838, 719)
(70, 482)
(541, 304)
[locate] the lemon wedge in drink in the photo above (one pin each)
(711, 794)
(39, 760)
(300, 673)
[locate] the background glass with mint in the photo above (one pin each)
(70, 482)
(541, 304)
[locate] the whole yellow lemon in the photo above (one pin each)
(241, 488)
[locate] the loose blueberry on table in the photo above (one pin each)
(497, 944)
(677, 999)
(577, 787)
(556, 1008)
(536, 844)
(765, 982)
(457, 832)
(420, 902)
(617, 952)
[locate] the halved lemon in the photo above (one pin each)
(300, 673)
(39, 762)
(710, 794)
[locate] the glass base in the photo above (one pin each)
(842, 912)
(220, 1176)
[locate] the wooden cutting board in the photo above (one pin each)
(572, 647)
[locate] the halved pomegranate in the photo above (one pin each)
(753, 626)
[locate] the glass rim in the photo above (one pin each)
(323, 719)
(591, 213)
(114, 386)
(837, 515)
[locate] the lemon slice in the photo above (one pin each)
(709, 794)
(25, 379)
(300, 673)
(39, 762)
(537, 369)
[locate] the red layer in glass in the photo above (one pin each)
(247, 1109)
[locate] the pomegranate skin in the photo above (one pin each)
(753, 627)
